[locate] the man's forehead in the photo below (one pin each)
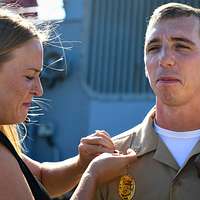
(183, 27)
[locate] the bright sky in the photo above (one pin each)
(51, 11)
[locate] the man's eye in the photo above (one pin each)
(153, 48)
(182, 46)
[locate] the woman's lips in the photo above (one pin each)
(27, 105)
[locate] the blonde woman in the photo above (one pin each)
(21, 57)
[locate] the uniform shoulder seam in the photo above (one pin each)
(127, 133)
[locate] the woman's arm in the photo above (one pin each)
(102, 169)
(60, 177)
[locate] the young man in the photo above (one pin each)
(167, 141)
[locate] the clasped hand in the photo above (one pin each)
(106, 162)
(94, 145)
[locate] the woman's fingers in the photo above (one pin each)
(99, 138)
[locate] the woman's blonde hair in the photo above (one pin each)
(14, 32)
(10, 131)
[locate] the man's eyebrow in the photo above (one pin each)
(181, 39)
(155, 40)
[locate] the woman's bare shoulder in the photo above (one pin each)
(13, 184)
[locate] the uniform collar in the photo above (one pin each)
(195, 151)
(146, 141)
(143, 140)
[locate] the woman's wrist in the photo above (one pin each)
(91, 178)
(86, 188)
(92, 173)
(80, 165)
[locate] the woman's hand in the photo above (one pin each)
(102, 169)
(94, 145)
(108, 166)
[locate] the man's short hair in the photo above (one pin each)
(170, 11)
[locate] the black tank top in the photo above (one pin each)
(36, 187)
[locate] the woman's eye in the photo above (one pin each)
(30, 77)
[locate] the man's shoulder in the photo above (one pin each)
(127, 133)
(124, 140)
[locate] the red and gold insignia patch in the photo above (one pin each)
(126, 187)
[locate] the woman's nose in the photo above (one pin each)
(38, 90)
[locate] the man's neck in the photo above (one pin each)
(178, 118)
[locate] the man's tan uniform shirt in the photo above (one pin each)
(156, 174)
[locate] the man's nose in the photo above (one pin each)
(166, 57)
